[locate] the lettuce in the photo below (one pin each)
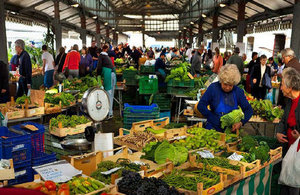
(176, 154)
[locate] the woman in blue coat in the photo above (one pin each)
(223, 97)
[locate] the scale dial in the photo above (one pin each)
(96, 103)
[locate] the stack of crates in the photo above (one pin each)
(164, 103)
(16, 145)
(52, 144)
(180, 87)
(133, 114)
(37, 156)
(148, 85)
(130, 77)
(147, 69)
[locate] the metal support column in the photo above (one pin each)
(215, 30)
(295, 41)
(98, 35)
(107, 33)
(241, 23)
(184, 36)
(191, 35)
(3, 40)
(57, 26)
(200, 31)
(179, 40)
(83, 29)
(143, 32)
(117, 38)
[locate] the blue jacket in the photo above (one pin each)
(159, 64)
(212, 98)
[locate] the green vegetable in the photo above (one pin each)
(149, 150)
(265, 110)
(68, 121)
(159, 131)
(247, 143)
(21, 100)
(65, 98)
(231, 118)
(217, 161)
(175, 153)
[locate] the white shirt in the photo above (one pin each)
(150, 62)
(280, 69)
(189, 53)
(49, 61)
(262, 70)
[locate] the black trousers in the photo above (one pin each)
(22, 89)
(259, 92)
(287, 190)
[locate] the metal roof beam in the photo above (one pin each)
(33, 6)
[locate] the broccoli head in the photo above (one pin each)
(247, 143)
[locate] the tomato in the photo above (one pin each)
(44, 190)
(64, 186)
(63, 192)
(52, 193)
(50, 185)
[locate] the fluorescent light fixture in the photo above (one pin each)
(75, 5)
(222, 4)
(95, 17)
(105, 23)
(204, 15)
(192, 22)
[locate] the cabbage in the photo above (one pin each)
(165, 151)
(182, 154)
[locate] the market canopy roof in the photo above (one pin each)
(154, 17)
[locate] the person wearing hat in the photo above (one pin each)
(237, 60)
(160, 67)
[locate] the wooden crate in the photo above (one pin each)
(62, 132)
(52, 108)
(154, 124)
(172, 133)
(35, 112)
(7, 174)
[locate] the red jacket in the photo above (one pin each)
(72, 60)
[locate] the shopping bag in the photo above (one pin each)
(290, 170)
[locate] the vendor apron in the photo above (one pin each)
(106, 74)
(223, 109)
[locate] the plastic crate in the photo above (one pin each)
(130, 77)
(188, 83)
(147, 69)
(23, 175)
(37, 137)
(163, 101)
(165, 114)
(140, 108)
(177, 90)
(16, 146)
(148, 85)
(43, 158)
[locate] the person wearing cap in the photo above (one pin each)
(223, 97)
(237, 60)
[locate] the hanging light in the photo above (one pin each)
(105, 23)
(113, 28)
(204, 15)
(75, 5)
(117, 32)
(222, 4)
(192, 22)
(95, 17)
(179, 31)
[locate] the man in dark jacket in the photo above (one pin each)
(135, 55)
(3, 82)
(25, 68)
(289, 59)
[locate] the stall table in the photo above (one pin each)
(179, 110)
(119, 101)
(263, 125)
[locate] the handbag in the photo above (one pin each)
(266, 82)
(66, 70)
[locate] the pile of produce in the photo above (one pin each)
(216, 161)
(256, 150)
(199, 84)
(119, 61)
(104, 166)
(180, 73)
(131, 68)
(189, 179)
(84, 185)
(68, 121)
(228, 120)
(66, 99)
(159, 152)
(202, 138)
(265, 110)
(132, 183)
(82, 84)
(139, 138)
(21, 100)
(49, 187)
(174, 125)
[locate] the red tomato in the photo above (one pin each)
(64, 186)
(38, 188)
(52, 193)
(63, 192)
(50, 185)
(44, 190)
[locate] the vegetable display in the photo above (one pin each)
(21, 100)
(180, 73)
(174, 125)
(84, 185)
(82, 84)
(139, 139)
(265, 110)
(228, 120)
(189, 179)
(49, 187)
(217, 161)
(104, 166)
(65, 98)
(202, 138)
(68, 121)
(199, 84)
(132, 183)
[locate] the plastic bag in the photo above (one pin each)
(290, 170)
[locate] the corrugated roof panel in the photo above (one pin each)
(49, 11)
(254, 7)
(44, 5)
(274, 4)
(67, 13)
(230, 13)
(23, 3)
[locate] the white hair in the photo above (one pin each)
(229, 74)
(291, 78)
(288, 52)
(20, 43)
